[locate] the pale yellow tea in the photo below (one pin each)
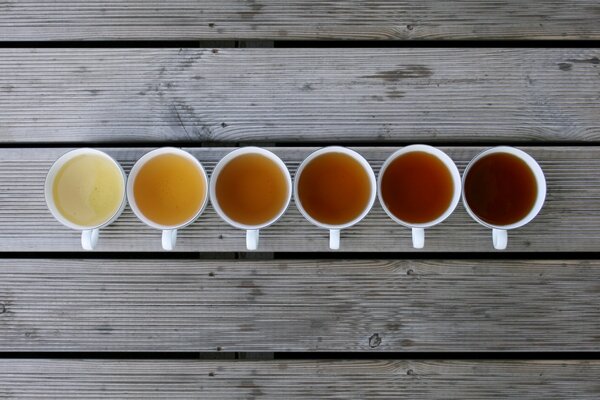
(169, 189)
(88, 190)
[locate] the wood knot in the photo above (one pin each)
(374, 340)
(2, 308)
(410, 372)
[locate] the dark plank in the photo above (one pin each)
(569, 221)
(298, 19)
(301, 305)
(317, 95)
(85, 379)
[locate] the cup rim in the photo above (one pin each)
(448, 162)
(135, 170)
(51, 175)
(535, 168)
(366, 166)
(224, 161)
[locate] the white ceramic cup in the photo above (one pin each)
(89, 234)
(169, 232)
(252, 231)
(499, 232)
(418, 230)
(334, 230)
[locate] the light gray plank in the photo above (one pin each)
(85, 379)
(299, 305)
(569, 221)
(298, 19)
(286, 95)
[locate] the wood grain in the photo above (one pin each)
(569, 220)
(285, 95)
(299, 305)
(364, 379)
(297, 19)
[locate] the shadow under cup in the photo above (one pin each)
(167, 190)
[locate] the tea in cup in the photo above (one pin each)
(167, 190)
(250, 189)
(334, 188)
(85, 190)
(419, 187)
(503, 188)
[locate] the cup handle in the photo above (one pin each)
(334, 239)
(89, 238)
(252, 239)
(418, 238)
(169, 238)
(499, 238)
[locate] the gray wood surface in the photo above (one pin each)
(299, 305)
(85, 379)
(298, 19)
(285, 95)
(569, 221)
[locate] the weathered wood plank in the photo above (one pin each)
(298, 19)
(299, 305)
(84, 379)
(317, 95)
(569, 221)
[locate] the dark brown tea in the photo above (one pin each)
(334, 188)
(417, 187)
(500, 188)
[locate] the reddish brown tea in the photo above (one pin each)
(334, 188)
(417, 187)
(500, 189)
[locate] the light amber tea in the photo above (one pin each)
(169, 189)
(252, 189)
(334, 188)
(500, 188)
(88, 190)
(417, 187)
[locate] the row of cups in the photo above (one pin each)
(90, 234)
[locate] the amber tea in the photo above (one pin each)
(334, 188)
(252, 189)
(169, 189)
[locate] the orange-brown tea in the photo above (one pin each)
(417, 187)
(169, 189)
(252, 189)
(334, 188)
(500, 188)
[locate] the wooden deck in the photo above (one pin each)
(298, 19)
(569, 221)
(229, 95)
(376, 319)
(92, 379)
